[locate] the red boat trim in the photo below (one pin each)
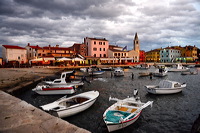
(58, 88)
(132, 118)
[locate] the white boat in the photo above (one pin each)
(118, 72)
(65, 107)
(165, 87)
(107, 68)
(161, 72)
(178, 68)
(123, 113)
(96, 73)
(189, 73)
(54, 90)
(65, 80)
(142, 66)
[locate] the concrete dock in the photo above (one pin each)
(17, 116)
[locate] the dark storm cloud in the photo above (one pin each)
(66, 22)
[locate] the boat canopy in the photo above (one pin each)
(165, 84)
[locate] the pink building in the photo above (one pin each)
(97, 47)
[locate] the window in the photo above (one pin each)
(100, 49)
(94, 49)
(104, 43)
(100, 55)
(104, 49)
(104, 55)
(94, 42)
(94, 55)
(115, 54)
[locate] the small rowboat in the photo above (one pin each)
(65, 107)
(123, 113)
(54, 90)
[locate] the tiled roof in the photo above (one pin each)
(12, 47)
(35, 47)
(115, 50)
(103, 39)
(56, 48)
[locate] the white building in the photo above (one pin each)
(14, 53)
(169, 55)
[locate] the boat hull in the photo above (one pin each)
(118, 126)
(154, 90)
(74, 110)
(54, 90)
(65, 107)
(159, 74)
(96, 73)
(177, 70)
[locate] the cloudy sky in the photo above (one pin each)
(159, 23)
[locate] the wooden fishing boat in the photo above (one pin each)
(65, 107)
(54, 90)
(123, 113)
(165, 87)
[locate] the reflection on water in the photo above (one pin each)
(170, 113)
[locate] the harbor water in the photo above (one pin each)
(174, 113)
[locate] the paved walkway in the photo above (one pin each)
(20, 117)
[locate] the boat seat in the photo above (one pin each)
(122, 108)
(133, 110)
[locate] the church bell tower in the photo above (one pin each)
(136, 43)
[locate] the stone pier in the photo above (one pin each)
(17, 116)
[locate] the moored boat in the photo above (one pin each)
(123, 113)
(118, 72)
(65, 107)
(54, 90)
(178, 68)
(165, 87)
(160, 72)
(65, 80)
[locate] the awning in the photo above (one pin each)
(38, 59)
(77, 59)
(126, 58)
(109, 59)
(49, 58)
(64, 59)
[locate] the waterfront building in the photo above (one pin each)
(153, 55)
(32, 51)
(124, 56)
(56, 52)
(14, 54)
(97, 47)
(142, 56)
(169, 54)
(80, 48)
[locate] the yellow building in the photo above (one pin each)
(153, 55)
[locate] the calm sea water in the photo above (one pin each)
(174, 113)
